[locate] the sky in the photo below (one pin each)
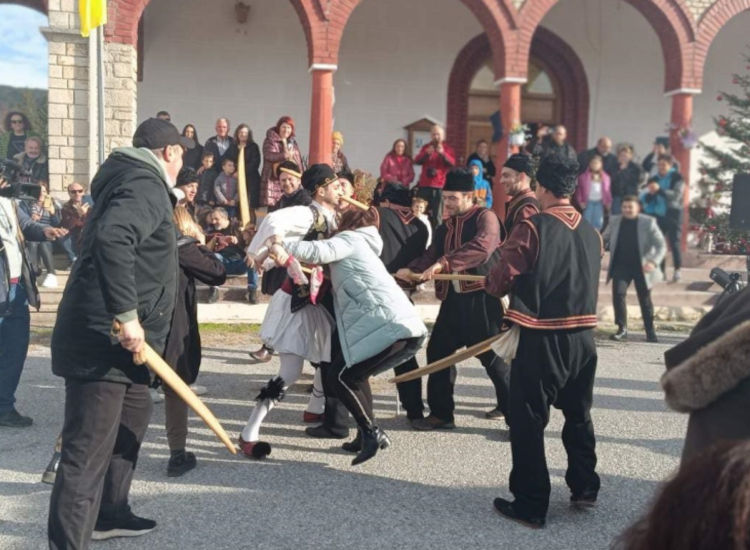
(23, 49)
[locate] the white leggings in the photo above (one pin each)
(289, 371)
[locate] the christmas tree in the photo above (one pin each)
(721, 163)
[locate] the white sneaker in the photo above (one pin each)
(676, 276)
(156, 396)
(50, 281)
(198, 390)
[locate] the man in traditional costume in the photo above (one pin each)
(293, 326)
(516, 176)
(550, 268)
(465, 243)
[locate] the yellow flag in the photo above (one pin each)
(93, 13)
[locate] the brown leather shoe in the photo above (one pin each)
(263, 355)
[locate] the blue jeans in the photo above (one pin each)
(14, 344)
(594, 214)
(238, 267)
(67, 245)
(616, 205)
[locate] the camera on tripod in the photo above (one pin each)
(13, 175)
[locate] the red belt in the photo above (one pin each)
(15, 281)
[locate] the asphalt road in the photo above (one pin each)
(429, 490)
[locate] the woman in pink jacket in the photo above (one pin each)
(280, 145)
(397, 165)
(593, 192)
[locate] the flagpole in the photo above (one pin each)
(100, 89)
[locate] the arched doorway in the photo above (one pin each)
(541, 101)
(556, 91)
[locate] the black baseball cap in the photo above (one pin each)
(155, 133)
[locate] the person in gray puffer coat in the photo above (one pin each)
(378, 326)
(708, 376)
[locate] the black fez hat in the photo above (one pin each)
(396, 193)
(318, 175)
(155, 133)
(459, 179)
(520, 163)
(559, 175)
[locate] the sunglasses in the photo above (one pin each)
(76, 191)
(16, 121)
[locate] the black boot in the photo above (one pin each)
(50, 473)
(620, 335)
(372, 439)
(650, 332)
(355, 445)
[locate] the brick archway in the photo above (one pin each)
(564, 65)
(670, 20)
(38, 5)
(709, 27)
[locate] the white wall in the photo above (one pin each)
(394, 66)
(201, 64)
(395, 60)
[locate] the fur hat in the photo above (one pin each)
(395, 193)
(318, 175)
(558, 175)
(520, 163)
(459, 179)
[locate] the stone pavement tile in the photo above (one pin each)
(429, 490)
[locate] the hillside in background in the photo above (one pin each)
(30, 101)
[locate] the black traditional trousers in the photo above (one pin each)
(551, 368)
(465, 319)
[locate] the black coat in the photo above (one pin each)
(192, 157)
(211, 146)
(183, 348)
(252, 167)
(627, 181)
(127, 267)
(404, 236)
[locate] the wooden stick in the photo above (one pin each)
(154, 361)
(445, 362)
(449, 277)
(355, 202)
(244, 203)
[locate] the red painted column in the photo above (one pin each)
(321, 114)
(510, 115)
(682, 117)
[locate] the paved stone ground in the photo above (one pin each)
(430, 490)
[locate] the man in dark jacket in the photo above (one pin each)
(556, 146)
(220, 143)
(550, 268)
(126, 271)
(17, 291)
(626, 179)
(603, 149)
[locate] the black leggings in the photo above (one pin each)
(353, 387)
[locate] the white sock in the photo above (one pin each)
(317, 403)
(290, 371)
